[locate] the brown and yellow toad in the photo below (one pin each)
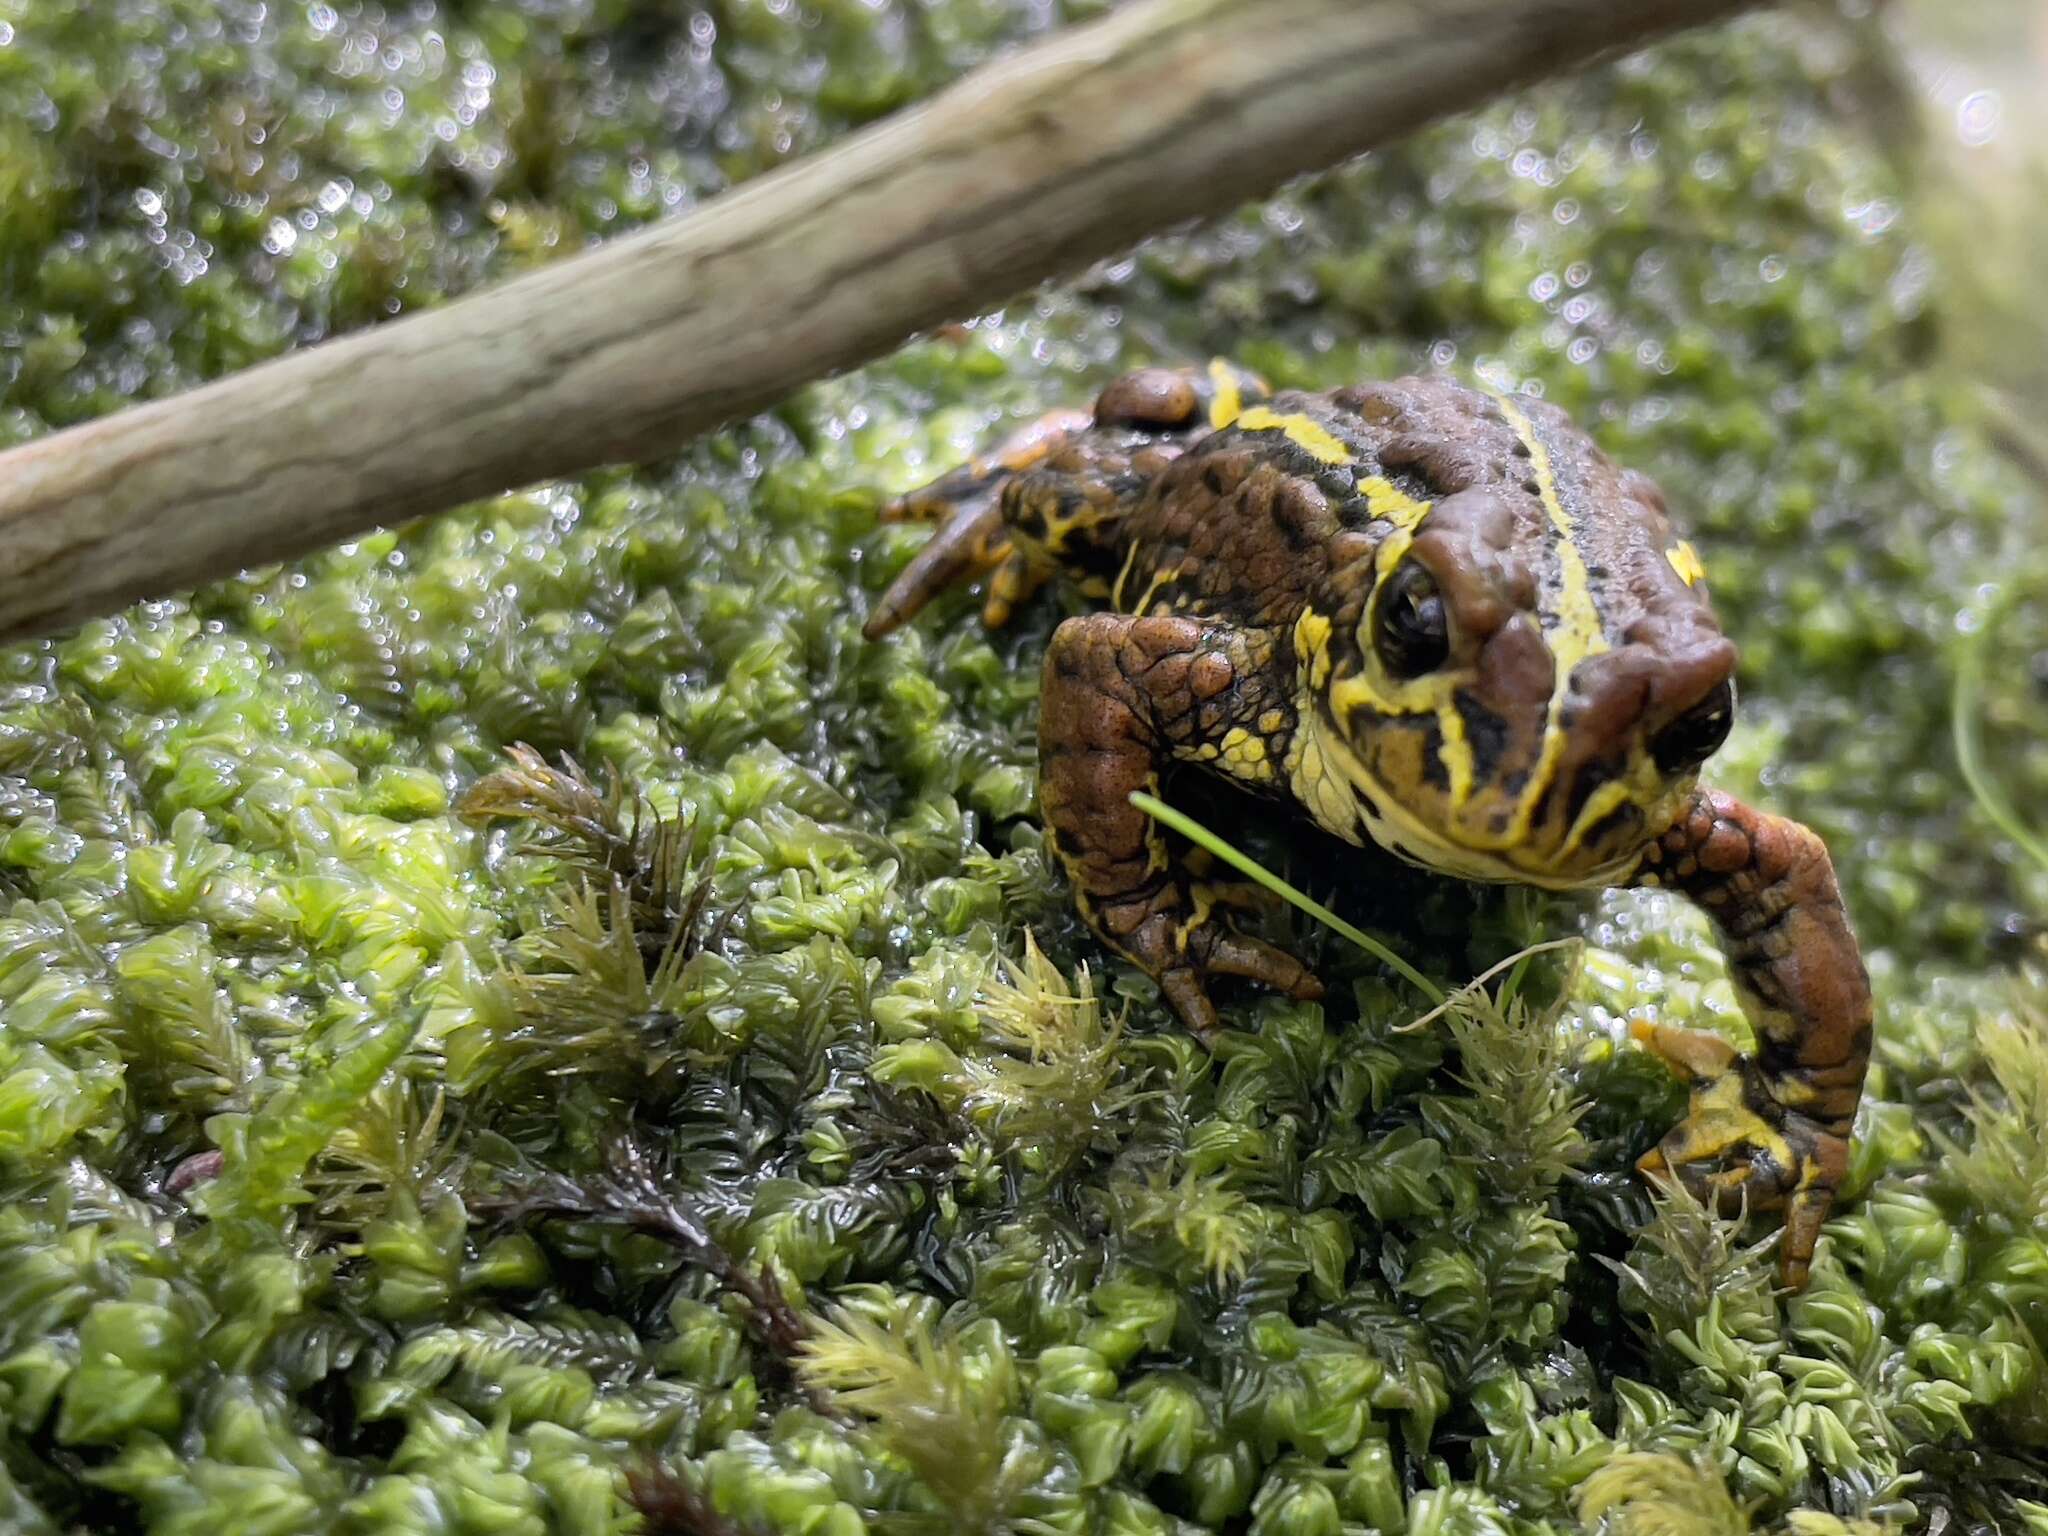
(1444, 623)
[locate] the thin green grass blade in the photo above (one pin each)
(1966, 724)
(1515, 962)
(1196, 833)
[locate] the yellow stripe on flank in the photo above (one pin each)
(1229, 401)
(1686, 561)
(1302, 431)
(1385, 499)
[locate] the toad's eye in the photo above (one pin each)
(1408, 627)
(1695, 735)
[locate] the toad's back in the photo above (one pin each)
(1249, 521)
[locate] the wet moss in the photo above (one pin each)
(400, 1133)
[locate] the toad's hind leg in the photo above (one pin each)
(1049, 498)
(1123, 696)
(1772, 1129)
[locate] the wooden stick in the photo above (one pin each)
(1030, 166)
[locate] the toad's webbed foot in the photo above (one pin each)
(1123, 696)
(1773, 1129)
(1049, 497)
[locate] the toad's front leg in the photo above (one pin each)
(1123, 696)
(1773, 1128)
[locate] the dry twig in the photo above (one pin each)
(1029, 167)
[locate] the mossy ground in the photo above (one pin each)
(714, 1117)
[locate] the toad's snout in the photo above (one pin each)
(1627, 697)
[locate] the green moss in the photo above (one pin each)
(404, 1132)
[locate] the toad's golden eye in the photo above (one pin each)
(1408, 626)
(1697, 734)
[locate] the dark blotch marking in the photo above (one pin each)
(1590, 778)
(1487, 733)
(1434, 773)
(1339, 484)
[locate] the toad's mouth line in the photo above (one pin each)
(1561, 863)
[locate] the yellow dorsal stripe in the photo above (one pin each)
(1576, 612)
(1577, 633)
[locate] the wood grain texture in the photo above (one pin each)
(1027, 168)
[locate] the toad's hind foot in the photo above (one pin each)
(1739, 1146)
(978, 481)
(1050, 496)
(973, 537)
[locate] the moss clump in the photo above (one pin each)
(403, 1128)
